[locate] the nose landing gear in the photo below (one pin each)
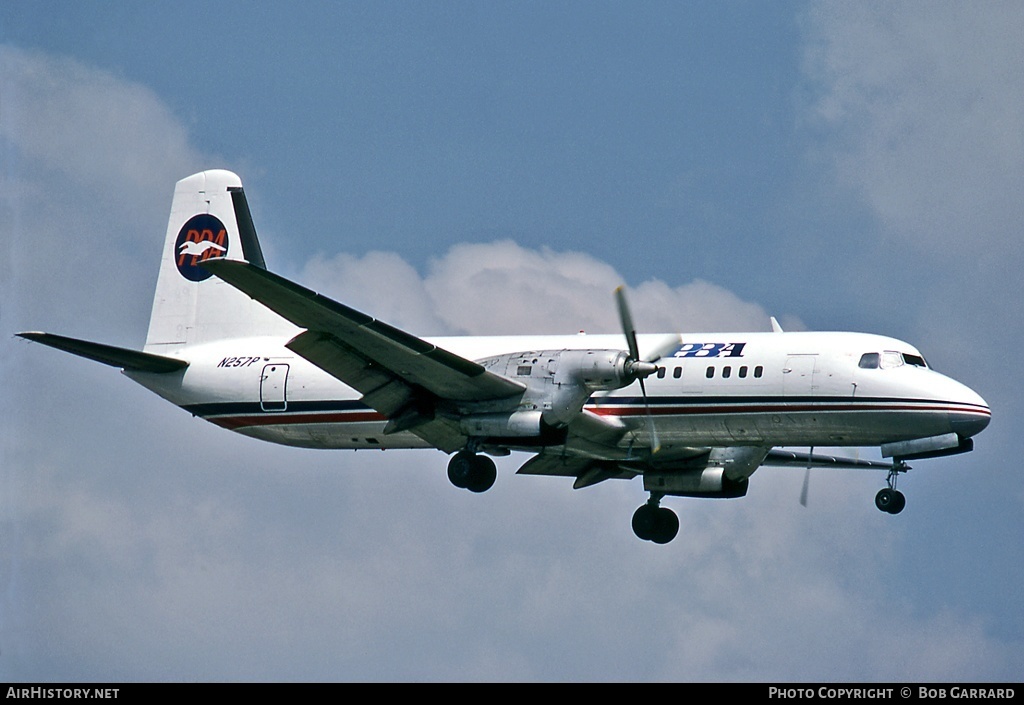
(889, 499)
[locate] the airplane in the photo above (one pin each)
(692, 415)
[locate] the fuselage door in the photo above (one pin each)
(273, 388)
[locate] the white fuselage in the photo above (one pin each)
(718, 389)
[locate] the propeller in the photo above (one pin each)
(807, 479)
(807, 474)
(635, 367)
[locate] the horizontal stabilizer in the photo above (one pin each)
(109, 354)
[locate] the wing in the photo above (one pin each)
(403, 377)
(590, 470)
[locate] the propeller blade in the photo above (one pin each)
(807, 479)
(655, 443)
(666, 347)
(627, 323)
(638, 368)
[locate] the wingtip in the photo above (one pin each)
(33, 335)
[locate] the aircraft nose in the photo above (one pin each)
(965, 425)
(972, 415)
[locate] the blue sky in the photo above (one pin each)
(839, 166)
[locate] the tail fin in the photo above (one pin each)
(209, 218)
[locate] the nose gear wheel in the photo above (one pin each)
(889, 499)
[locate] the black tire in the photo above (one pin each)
(885, 499)
(482, 475)
(667, 526)
(899, 503)
(645, 522)
(460, 469)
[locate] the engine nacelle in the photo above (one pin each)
(708, 482)
(594, 370)
(518, 424)
(559, 382)
(581, 373)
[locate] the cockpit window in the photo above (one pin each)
(915, 360)
(869, 361)
(891, 359)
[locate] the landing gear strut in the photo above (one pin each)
(655, 523)
(472, 472)
(889, 499)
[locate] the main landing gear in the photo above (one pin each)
(889, 499)
(472, 472)
(655, 523)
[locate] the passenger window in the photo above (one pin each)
(758, 371)
(869, 361)
(727, 372)
(743, 371)
(677, 372)
(661, 373)
(710, 373)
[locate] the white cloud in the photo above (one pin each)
(115, 137)
(91, 162)
(498, 288)
(380, 284)
(925, 107)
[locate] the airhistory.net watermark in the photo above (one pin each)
(62, 693)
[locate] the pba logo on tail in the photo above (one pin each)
(203, 237)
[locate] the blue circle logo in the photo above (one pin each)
(203, 237)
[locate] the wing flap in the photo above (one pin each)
(553, 464)
(587, 471)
